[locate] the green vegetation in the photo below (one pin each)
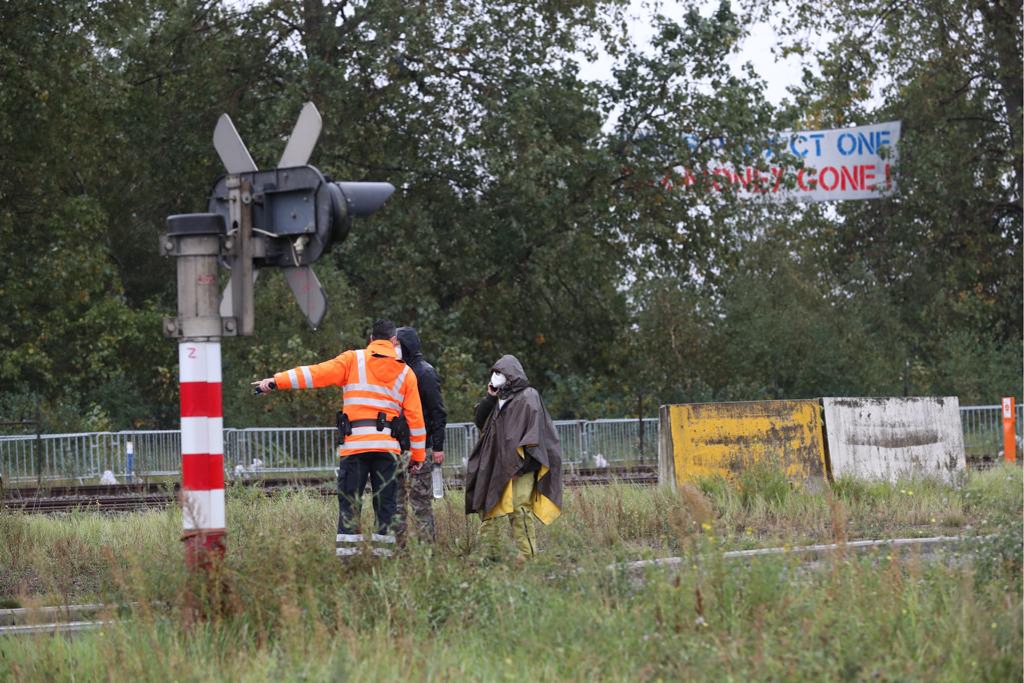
(530, 217)
(439, 613)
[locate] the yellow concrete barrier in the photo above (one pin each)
(705, 439)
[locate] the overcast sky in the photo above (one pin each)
(756, 48)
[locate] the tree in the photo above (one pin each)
(945, 252)
(564, 221)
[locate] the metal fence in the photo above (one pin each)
(283, 448)
(983, 431)
(585, 443)
(620, 441)
(87, 455)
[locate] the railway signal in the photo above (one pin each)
(286, 217)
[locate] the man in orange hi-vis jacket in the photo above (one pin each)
(377, 388)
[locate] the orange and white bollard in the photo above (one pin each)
(1009, 429)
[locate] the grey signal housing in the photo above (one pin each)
(365, 198)
(297, 213)
(354, 199)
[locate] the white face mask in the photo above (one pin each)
(497, 380)
(398, 351)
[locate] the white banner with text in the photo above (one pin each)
(838, 164)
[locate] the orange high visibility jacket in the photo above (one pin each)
(372, 380)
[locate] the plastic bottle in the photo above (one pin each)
(437, 481)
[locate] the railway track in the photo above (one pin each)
(70, 619)
(135, 497)
(65, 619)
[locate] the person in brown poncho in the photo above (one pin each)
(515, 471)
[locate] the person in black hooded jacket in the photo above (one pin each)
(420, 490)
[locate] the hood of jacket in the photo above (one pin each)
(510, 366)
(410, 341)
(382, 360)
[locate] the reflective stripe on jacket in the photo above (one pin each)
(373, 380)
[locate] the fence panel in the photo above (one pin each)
(66, 456)
(60, 456)
(84, 456)
(17, 457)
(983, 431)
(154, 452)
(570, 433)
(621, 441)
(282, 448)
(459, 439)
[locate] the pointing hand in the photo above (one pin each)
(264, 386)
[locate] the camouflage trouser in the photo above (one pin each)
(494, 531)
(418, 490)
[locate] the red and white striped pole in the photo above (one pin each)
(202, 451)
(195, 242)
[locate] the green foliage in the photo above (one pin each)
(763, 481)
(1000, 489)
(537, 214)
(999, 492)
(292, 612)
(715, 487)
(944, 256)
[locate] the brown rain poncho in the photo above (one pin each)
(522, 422)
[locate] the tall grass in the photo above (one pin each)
(291, 612)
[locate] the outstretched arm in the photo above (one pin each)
(328, 373)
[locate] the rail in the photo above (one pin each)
(83, 457)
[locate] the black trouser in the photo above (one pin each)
(352, 474)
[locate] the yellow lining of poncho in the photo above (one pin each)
(543, 508)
